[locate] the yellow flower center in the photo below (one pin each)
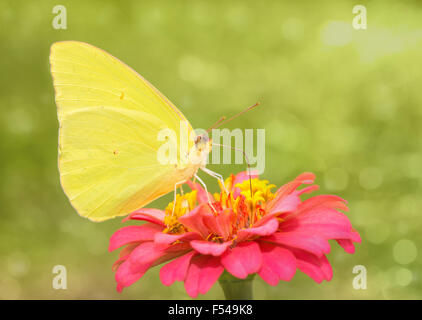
(247, 208)
(260, 192)
(184, 204)
(257, 193)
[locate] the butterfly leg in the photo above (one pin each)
(205, 187)
(175, 194)
(216, 175)
(244, 155)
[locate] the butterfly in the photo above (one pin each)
(109, 120)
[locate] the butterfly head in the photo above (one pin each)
(203, 145)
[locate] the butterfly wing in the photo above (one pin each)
(109, 121)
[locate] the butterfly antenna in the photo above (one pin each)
(223, 120)
(216, 123)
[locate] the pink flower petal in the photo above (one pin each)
(242, 260)
(219, 224)
(124, 254)
(283, 206)
(151, 215)
(288, 203)
(244, 175)
(324, 201)
(201, 196)
(127, 273)
(277, 264)
(208, 247)
(288, 188)
(281, 209)
(262, 229)
(318, 269)
(325, 222)
(326, 268)
(347, 245)
(130, 234)
(124, 277)
(194, 220)
(306, 190)
(203, 272)
(166, 239)
(301, 240)
(355, 236)
(156, 254)
(286, 199)
(176, 270)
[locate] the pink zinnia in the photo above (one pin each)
(247, 230)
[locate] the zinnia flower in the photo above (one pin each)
(249, 229)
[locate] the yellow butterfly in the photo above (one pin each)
(110, 118)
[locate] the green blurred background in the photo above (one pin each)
(343, 103)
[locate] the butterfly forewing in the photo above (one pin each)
(109, 119)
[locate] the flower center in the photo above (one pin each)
(256, 192)
(245, 203)
(184, 204)
(249, 206)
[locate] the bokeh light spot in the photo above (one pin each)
(336, 33)
(18, 264)
(370, 178)
(403, 277)
(405, 251)
(377, 232)
(292, 29)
